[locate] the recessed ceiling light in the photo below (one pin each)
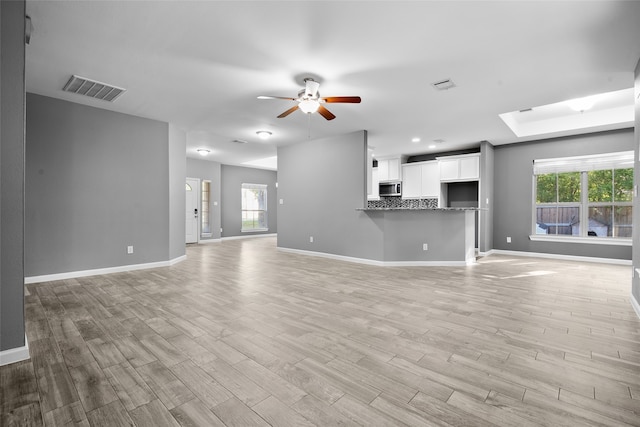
(263, 134)
(432, 146)
(203, 151)
(415, 139)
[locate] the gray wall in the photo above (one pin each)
(513, 189)
(12, 99)
(232, 178)
(96, 182)
(177, 175)
(635, 287)
(322, 182)
(487, 165)
(208, 170)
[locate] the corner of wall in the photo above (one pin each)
(177, 175)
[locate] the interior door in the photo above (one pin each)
(192, 191)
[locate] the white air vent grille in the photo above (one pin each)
(93, 89)
(443, 84)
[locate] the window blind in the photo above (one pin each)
(254, 186)
(620, 160)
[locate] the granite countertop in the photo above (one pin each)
(418, 209)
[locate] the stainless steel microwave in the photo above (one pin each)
(391, 188)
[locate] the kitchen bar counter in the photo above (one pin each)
(424, 236)
(417, 209)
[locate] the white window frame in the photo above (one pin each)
(582, 164)
(248, 186)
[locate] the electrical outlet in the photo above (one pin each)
(282, 201)
(215, 203)
(425, 247)
(508, 239)
(129, 250)
(310, 239)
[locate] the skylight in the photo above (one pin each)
(611, 110)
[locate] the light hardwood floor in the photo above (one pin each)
(241, 334)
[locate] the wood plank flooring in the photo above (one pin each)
(241, 334)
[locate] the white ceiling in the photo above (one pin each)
(200, 65)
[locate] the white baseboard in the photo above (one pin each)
(635, 305)
(100, 271)
(249, 236)
(559, 257)
(375, 262)
(15, 354)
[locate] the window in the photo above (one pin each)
(254, 207)
(586, 196)
(205, 217)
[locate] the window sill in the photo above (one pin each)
(585, 240)
(254, 230)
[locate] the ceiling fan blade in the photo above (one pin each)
(312, 88)
(276, 97)
(346, 99)
(326, 113)
(289, 111)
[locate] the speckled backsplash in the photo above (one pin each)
(398, 202)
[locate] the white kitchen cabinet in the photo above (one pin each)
(420, 180)
(470, 168)
(411, 180)
(389, 169)
(465, 167)
(430, 179)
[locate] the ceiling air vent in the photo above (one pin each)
(93, 89)
(239, 141)
(443, 84)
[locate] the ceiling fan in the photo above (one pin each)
(309, 100)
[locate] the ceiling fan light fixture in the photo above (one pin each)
(203, 151)
(264, 134)
(309, 105)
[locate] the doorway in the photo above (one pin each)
(192, 192)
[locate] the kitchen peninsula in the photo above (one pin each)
(425, 235)
(324, 210)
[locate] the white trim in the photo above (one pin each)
(207, 241)
(579, 239)
(488, 253)
(14, 355)
(100, 271)
(375, 262)
(172, 261)
(562, 257)
(620, 160)
(249, 236)
(634, 304)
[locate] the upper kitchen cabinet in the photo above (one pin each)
(464, 167)
(420, 180)
(389, 169)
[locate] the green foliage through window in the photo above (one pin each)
(605, 210)
(254, 207)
